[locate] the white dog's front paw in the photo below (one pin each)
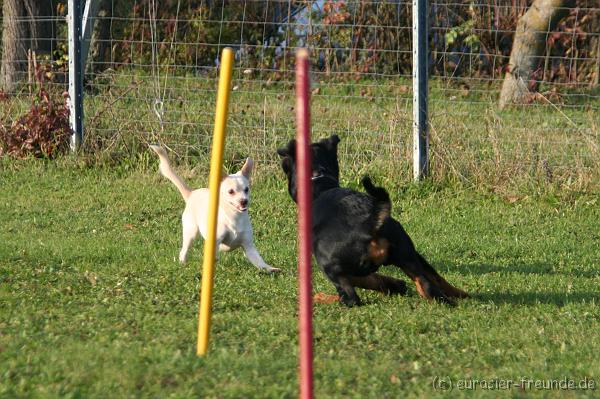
(270, 269)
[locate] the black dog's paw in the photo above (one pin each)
(445, 300)
(430, 291)
(440, 297)
(350, 301)
(398, 287)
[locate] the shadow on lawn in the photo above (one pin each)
(503, 295)
(535, 298)
(530, 297)
(525, 268)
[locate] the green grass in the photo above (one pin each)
(94, 305)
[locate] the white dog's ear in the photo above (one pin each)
(247, 168)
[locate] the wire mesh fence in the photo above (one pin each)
(151, 77)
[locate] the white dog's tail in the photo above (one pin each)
(165, 169)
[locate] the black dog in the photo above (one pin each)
(353, 234)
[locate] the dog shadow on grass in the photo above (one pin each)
(544, 269)
(558, 299)
(570, 293)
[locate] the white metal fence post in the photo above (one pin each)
(75, 73)
(420, 76)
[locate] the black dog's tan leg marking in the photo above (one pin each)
(450, 290)
(378, 249)
(419, 282)
(429, 290)
(403, 254)
(377, 282)
(426, 287)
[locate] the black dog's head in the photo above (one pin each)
(325, 170)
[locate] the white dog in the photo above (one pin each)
(233, 223)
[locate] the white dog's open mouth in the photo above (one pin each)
(238, 207)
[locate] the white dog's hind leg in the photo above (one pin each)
(255, 258)
(190, 232)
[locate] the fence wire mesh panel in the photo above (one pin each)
(152, 70)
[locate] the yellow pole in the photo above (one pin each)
(213, 203)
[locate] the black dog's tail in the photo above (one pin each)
(383, 203)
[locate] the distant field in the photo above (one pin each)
(94, 305)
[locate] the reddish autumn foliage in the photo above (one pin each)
(43, 132)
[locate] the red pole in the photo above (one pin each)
(304, 197)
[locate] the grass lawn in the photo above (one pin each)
(94, 305)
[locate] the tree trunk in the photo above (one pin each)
(101, 35)
(23, 29)
(13, 45)
(528, 49)
(41, 26)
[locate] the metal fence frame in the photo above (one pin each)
(80, 26)
(426, 109)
